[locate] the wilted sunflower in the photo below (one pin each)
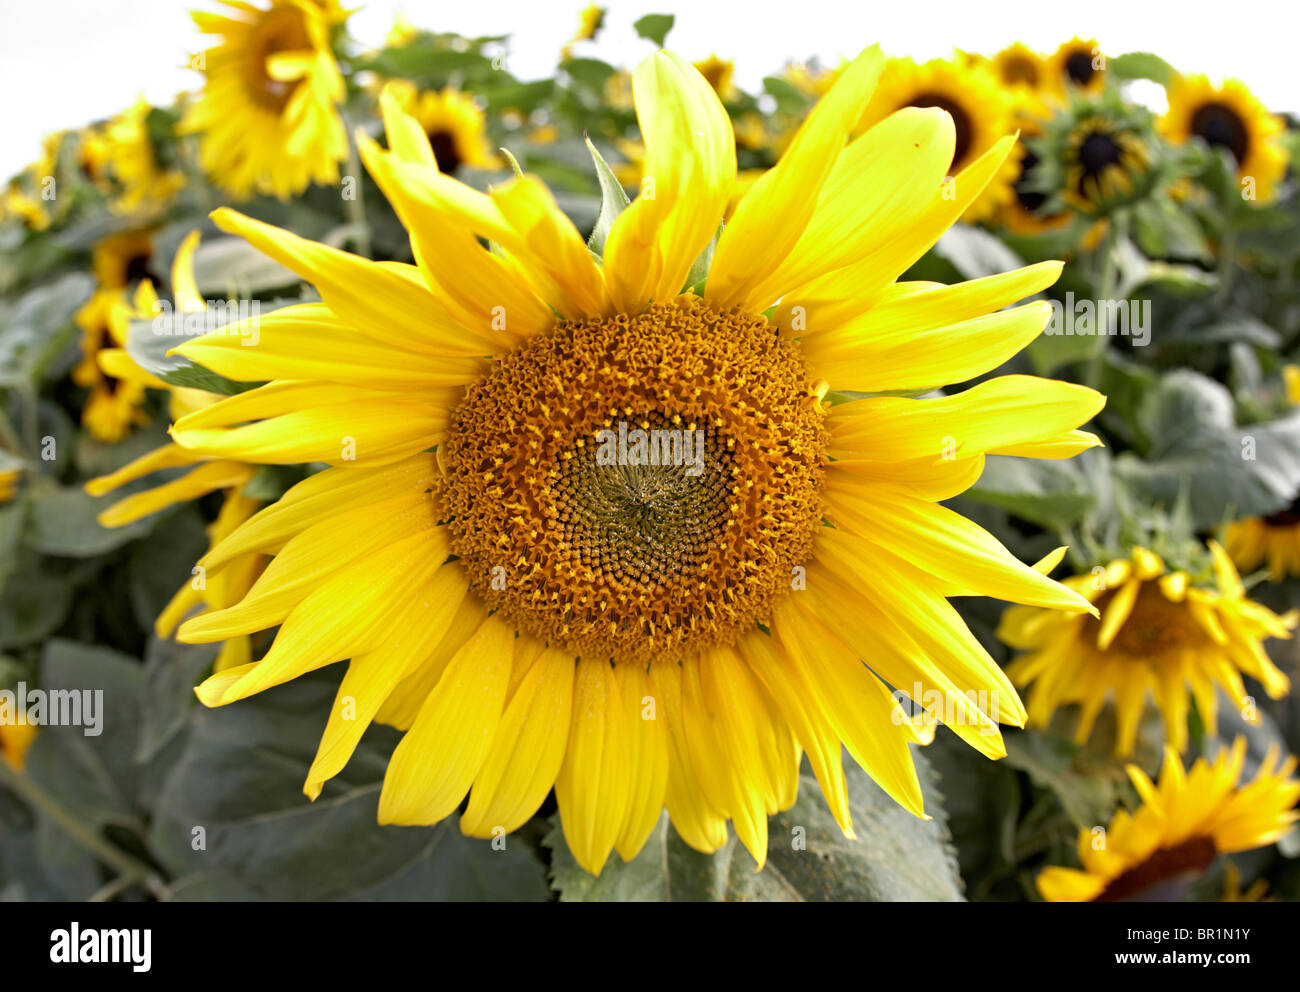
(15, 741)
(1231, 117)
(537, 606)
(980, 109)
(453, 123)
(1020, 67)
(1077, 64)
(125, 150)
(205, 475)
(268, 118)
(1183, 824)
(1157, 635)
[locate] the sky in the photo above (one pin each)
(64, 63)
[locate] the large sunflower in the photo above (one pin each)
(1183, 824)
(204, 475)
(1157, 635)
(981, 112)
(536, 601)
(1228, 116)
(268, 116)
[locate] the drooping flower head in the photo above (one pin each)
(1184, 823)
(592, 520)
(268, 115)
(124, 150)
(1158, 636)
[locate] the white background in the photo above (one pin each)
(66, 62)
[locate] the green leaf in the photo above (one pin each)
(149, 340)
(32, 607)
(62, 521)
(1142, 65)
(95, 776)
(1197, 447)
(613, 199)
(654, 27)
(1051, 494)
(897, 857)
(39, 326)
(239, 778)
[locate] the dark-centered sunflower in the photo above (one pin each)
(1228, 116)
(979, 107)
(1020, 67)
(453, 123)
(1078, 64)
(591, 522)
(1158, 635)
(1184, 823)
(268, 116)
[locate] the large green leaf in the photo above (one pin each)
(1049, 493)
(896, 856)
(1197, 447)
(237, 786)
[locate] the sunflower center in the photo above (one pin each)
(1078, 66)
(1288, 517)
(1019, 70)
(638, 487)
(1221, 126)
(1098, 151)
(445, 151)
(1155, 627)
(1030, 199)
(961, 124)
(1162, 872)
(282, 30)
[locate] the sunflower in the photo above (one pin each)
(125, 149)
(1029, 211)
(17, 203)
(204, 475)
(1157, 635)
(1077, 65)
(536, 602)
(980, 109)
(1105, 162)
(1183, 824)
(114, 405)
(1228, 116)
(590, 20)
(1273, 540)
(268, 116)
(15, 741)
(719, 73)
(1020, 67)
(453, 123)
(1232, 891)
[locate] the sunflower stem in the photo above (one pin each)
(131, 869)
(356, 204)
